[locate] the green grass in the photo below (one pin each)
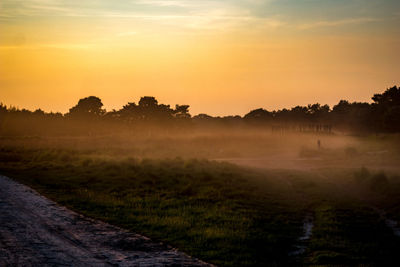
(351, 234)
(218, 212)
(215, 211)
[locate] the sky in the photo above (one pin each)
(221, 57)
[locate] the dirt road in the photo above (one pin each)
(35, 231)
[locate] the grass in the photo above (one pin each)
(351, 234)
(219, 212)
(215, 211)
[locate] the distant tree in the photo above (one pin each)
(356, 115)
(130, 107)
(39, 112)
(383, 115)
(129, 112)
(282, 115)
(258, 115)
(150, 110)
(3, 114)
(342, 107)
(203, 116)
(87, 107)
(299, 114)
(232, 120)
(317, 112)
(391, 119)
(148, 102)
(391, 97)
(182, 111)
(57, 115)
(386, 109)
(112, 115)
(3, 109)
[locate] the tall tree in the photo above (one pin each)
(182, 111)
(387, 109)
(87, 107)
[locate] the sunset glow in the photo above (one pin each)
(220, 57)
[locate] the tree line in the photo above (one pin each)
(381, 115)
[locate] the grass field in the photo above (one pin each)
(220, 212)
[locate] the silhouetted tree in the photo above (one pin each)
(39, 112)
(391, 119)
(258, 115)
(88, 107)
(354, 115)
(391, 97)
(182, 111)
(148, 101)
(382, 115)
(150, 110)
(317, 112)
(386, 109)
(3, 108)
(129, 112)
(299, 114)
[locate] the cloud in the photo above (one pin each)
(199, 14)
(175, 3)
(334, 23)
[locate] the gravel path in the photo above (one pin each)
(35, 231)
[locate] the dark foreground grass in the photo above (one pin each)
(218, 212)
(214, 211)
(349, 234)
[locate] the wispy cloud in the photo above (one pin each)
(334, 23)
(198, 14)
(175, 3)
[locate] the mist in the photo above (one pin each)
(269, 188)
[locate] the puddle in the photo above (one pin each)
(301, 246)
(394, 226)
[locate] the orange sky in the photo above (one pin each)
(221, 58)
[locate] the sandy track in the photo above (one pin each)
(35, 231)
